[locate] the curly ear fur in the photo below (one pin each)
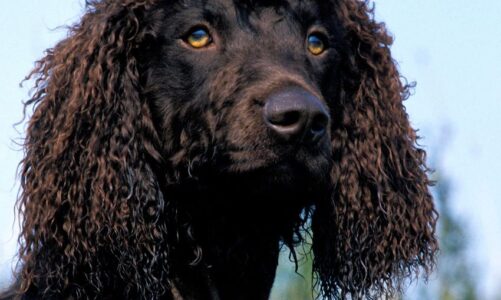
(379, 224)
(89, 191)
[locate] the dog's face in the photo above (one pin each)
(242, 86)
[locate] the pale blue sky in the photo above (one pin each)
(452, 48)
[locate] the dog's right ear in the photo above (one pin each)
(90, 194)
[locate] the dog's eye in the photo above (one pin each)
(198, 38)
(316, 44)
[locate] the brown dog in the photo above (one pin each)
(175, 145)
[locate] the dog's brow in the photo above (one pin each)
(307, 11)
(217, 14)
(212, 16)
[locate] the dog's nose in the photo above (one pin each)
(296, 114)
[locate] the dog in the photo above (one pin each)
(176, 146)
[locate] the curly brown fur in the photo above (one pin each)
(149, 173)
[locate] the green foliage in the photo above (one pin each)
(455, 275)
(293, 285)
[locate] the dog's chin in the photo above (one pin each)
(280, 172)
(302, 173)
(282, 165)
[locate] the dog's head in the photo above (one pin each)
(245, 86)
(286, 95)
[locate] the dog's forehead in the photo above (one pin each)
(253, 8)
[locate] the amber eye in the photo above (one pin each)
(316, 44)
(198, 38)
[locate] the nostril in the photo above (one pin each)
(285, 119)
(319, 124)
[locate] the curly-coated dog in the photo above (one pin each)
(176, 145)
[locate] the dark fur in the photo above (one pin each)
(149, 173)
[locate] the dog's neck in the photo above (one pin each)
(236, 266)
(234, 240)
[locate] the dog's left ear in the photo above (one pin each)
(379, 225)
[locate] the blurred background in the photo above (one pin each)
(452, 49)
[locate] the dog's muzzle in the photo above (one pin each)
(296, 115)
